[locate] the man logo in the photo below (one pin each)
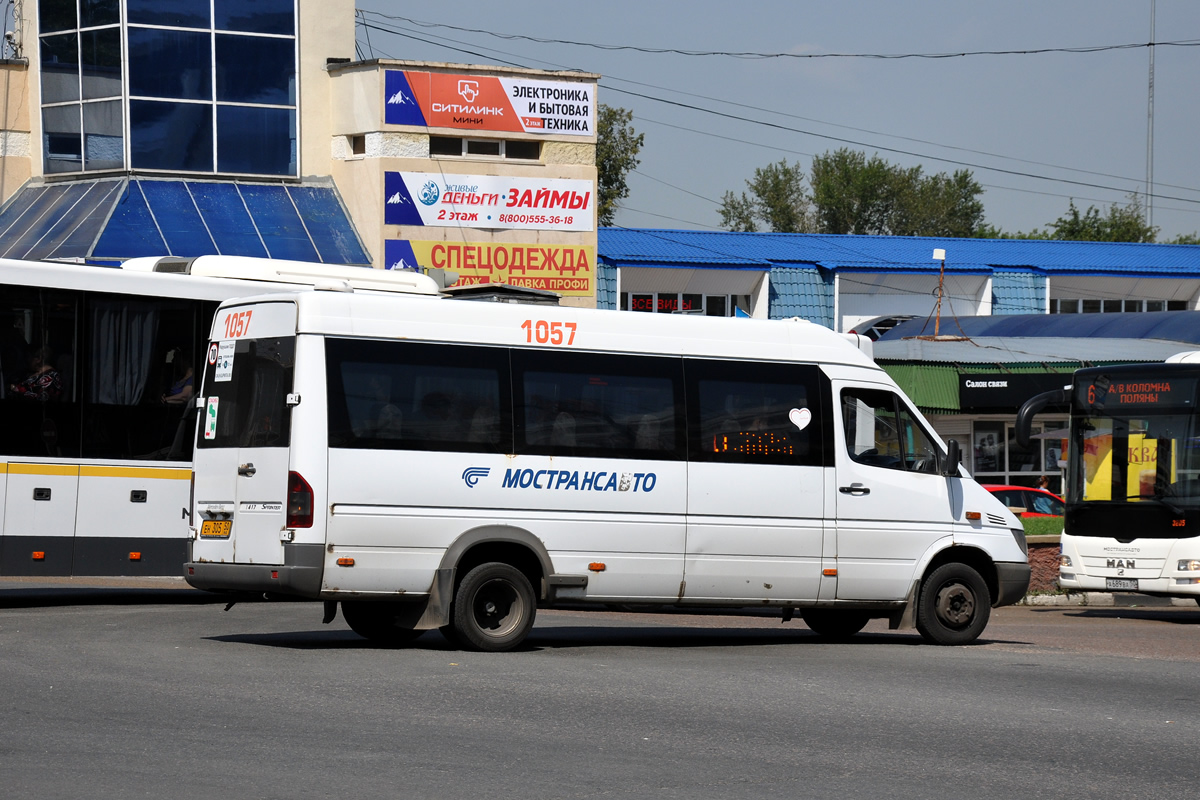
(471, 475)
(468, 90)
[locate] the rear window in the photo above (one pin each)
(245, 393)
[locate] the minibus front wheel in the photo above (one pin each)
(494, 608)
(954, 605)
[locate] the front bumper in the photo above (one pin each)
(1012, 581)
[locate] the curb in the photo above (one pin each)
(1102, 599)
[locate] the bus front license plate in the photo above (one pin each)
(1121, 584)
(216, 528)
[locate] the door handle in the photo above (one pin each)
(247, 469)
(855, 488)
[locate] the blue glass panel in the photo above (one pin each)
(328, 225)
(227, 219)
(79, 243)
(60, 68)
(254, 69)
(98, 12)
(73, 210)
(56, 15)
(62, 139)
(103, 142)
(48, 210)
(176, 136)
(256, 141)
(12, 220)
(255, 16)
(178, 218)
(175, 64)
(176, 13)
(101, 63)
(130, 231)
(277, 221)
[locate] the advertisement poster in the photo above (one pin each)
(487, 201)
(488, 103)
(565, 269)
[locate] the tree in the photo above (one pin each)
(1186, 238)
(777, 197)
(1126, 224)
(617, 147)
(853, 194)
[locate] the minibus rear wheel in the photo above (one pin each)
(832, 623)
(376, 621)
(494, 607)
(954, 605)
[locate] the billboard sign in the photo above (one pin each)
(488, 103)
(487, 201)
(565, 269)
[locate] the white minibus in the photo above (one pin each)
(442, 464)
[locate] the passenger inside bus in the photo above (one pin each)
(44, 382)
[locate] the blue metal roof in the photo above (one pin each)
(111, 220)
(645, 247)
(1176, 326)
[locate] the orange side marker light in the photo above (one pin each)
(39, 555)
(830, 572)
(345, 562)
(597, 566)
(135, 556)
(974, 515)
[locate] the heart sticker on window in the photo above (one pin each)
(800, 417)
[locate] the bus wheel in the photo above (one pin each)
(829, 623)
(954, 605)
(494, 608)
(376, 621)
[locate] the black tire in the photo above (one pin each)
(376, 621)
(954, 605)
(835, 624)
(494, 607)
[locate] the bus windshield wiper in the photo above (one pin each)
(1159, 497)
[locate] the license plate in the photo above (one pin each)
(216, 528)
(1121, 584)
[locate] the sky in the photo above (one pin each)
(1037, 129)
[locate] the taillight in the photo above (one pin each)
(300, 502)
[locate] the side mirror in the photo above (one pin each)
(953, 459)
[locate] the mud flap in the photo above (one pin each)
(906, 619)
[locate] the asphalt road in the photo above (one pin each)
(120, 693)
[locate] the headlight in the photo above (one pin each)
(1019, 535)
(1189, 565)
(1064, 561)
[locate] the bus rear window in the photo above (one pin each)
(245, 394)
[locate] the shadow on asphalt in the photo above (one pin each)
(566, 637)
(60, 596)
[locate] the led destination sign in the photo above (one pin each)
(1144, 391)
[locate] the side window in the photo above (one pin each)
(592, 404)
(881, 432)
(754, 413)
(412, 396)
(1047, 505)
(1014, 500)
(39, 395)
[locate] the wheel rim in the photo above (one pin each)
(497, 608)
(955, 604)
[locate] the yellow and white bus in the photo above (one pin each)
(431, 464)
(97, 410)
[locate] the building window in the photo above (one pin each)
(997, 458)
(460, 147)
(208, 87)
(1072, 306)
(709, 305)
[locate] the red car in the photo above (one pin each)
(1026, 501)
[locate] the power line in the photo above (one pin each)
(759, 55)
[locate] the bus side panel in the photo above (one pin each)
(39, 518)
(406, 507)
(131, 520)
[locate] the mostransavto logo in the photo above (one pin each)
(471, 475)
